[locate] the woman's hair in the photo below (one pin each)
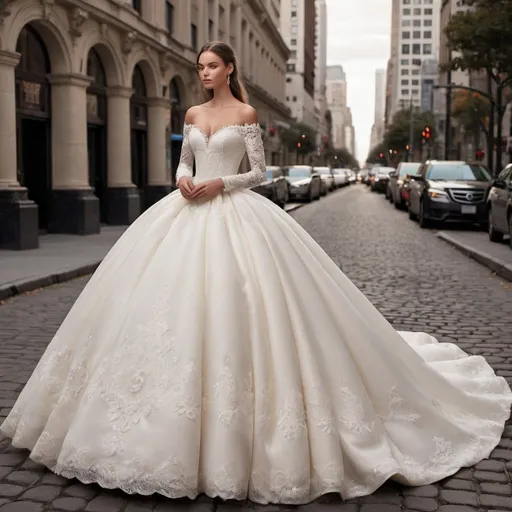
(226, 53)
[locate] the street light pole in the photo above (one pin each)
(490, 133)
(448, 118)
(410, 154)
(499, 145)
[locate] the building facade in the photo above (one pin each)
(299, 33)
(321, 72)
(415, 34)
(378, 127)
(92, 96)
(343, 132)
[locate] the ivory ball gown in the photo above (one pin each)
(219, 350)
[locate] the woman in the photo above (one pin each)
(219, 350)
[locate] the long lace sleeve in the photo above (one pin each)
(256, 154)
(186, 158)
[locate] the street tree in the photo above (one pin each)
(481, 39)
(299, 138)
(472, 111)
(397, 135)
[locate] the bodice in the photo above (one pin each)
(220, 155)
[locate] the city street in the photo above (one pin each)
(415, 279)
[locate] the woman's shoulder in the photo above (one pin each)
(248, 114)
(191, 113)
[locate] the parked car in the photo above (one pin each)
(276, 187)
(499, 206)
(398, 186)
(340, 177)
(327, 177)
(381, 178)
(449, 191)
(304, 182)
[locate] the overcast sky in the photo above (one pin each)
(358, 38)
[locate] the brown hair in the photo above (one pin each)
(226, 53)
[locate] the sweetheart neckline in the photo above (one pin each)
(208, 138)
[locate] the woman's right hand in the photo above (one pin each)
(186, 186)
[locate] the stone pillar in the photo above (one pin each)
(215, 20)
(123, 199)
(75, 208)
(159, 179)
(238, 32)
(19, 221)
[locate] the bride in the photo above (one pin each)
(218, 350)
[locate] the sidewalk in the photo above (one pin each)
(495, 256)
(58, 259)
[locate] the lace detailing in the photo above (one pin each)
(186, 157)
(256, 155)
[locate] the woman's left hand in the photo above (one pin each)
(207, 190)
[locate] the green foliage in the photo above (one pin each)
(374, 154)
(482, 38)
(339, 157)
(299, 137)
(471, 109)
(396, 137)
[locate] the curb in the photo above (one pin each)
(33, 283)
(498, 266)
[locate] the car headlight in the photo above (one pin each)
(438, 195)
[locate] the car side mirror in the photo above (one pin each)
(499, 184)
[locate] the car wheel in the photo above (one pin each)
(424, 222)
(412, 216)
(510, 229)
(494, 236)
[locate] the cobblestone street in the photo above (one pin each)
(415, 279)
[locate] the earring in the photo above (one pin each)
(229, 79)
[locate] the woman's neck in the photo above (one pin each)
(222, 97)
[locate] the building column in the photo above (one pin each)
(238, 32)
(203, 23)
(215, 20)
(19, 227)
(184, 20)
(159, 179)
(75, 208)
(123, 199)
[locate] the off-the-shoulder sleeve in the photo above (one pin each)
(256, 154)
(186, 158)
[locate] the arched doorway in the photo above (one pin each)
(96, 130)
(139, 125)
(177, 120)
(33, 120)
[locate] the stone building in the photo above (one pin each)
(92, 102)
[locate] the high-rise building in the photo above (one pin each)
(300, 35)
(415, 34)
(377, 133)
(340, 112)
(321, 69)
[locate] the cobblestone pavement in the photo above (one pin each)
(417, 281)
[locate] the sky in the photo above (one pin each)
(358, 38)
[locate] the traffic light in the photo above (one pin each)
(479, 155)
(427, 132)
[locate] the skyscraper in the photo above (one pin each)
(340, 112)
(414, 38)
(321, 68)
(300, 34)
(377, 133)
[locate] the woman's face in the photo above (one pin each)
(212, 70)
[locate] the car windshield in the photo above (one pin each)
(299, 172)
(269, 175)
(410, 168)
(458, 172)
(322, 170)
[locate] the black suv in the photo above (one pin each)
(449, 191)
